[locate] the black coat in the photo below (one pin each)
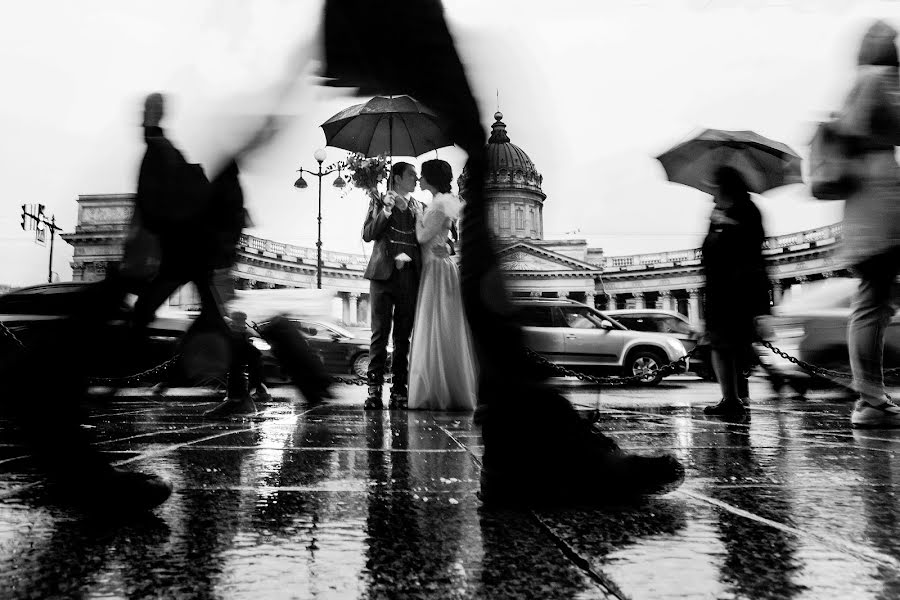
(198, 223)
(737, 285)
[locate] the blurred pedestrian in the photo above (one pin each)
(737, 288)
(196, 224)
(244, 373)
(537, 449)
(871, 228)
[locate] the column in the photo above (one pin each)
(353, 301)
(777, 291)
(611, 302)
(694, 306)
(665, 300)
(589, 299)
(638, 300)
(345, 307)
(364, 311)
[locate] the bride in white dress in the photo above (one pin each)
(442, 370)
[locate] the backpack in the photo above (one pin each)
(832, 163)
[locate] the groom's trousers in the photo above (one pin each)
(393, 302)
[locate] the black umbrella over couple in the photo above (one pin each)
(394, 125)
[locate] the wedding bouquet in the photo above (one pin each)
(367, 173)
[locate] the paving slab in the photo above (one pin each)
(336, 502)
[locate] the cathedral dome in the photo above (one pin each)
(507, 164)
(512, 188)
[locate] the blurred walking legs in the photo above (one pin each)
(872, 310)
(730, 366)
(49, 413)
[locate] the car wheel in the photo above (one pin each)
(646, 364)
(360, 364)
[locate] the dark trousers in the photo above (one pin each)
(205, 344)
(246, 361)
(393, 302)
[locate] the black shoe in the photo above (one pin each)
(114, 493)
(232, 408)
(374, 380)
(726, 408)
(373, 403)
(578, 467)
(621, 478)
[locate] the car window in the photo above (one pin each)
(310, 329)
(580, 317)
(637, 323)
(43, 301)
(535, 316)
(674, 325)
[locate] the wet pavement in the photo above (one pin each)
(334, 502)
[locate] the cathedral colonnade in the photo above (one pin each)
(534, 266)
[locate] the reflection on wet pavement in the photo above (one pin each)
(334, 502)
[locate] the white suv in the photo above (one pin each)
(582, 338)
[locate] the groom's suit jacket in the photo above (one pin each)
(377, 228)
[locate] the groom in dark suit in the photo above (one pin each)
(393, 272)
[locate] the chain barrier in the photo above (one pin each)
(816, 370)
(136, 377)
(8, 334)
(678, 365)
(670, 368)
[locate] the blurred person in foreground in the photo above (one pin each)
(871, 227)
(737, 288)
(537, 449)
(198, 225)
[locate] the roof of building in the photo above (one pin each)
(507, 164)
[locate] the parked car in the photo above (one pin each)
(340, 350)
(27, 311)
(812, 326)
(582, 338)
(31, 310)
(671, 323)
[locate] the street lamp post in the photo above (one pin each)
(339, 182)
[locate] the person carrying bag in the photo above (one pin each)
(869, 125)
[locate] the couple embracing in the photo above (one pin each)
(414, 290)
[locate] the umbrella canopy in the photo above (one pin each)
(397, 125)
(764, 163)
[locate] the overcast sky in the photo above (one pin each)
(592, 91)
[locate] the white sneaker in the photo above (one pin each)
(868, 415)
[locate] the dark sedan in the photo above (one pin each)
(32, 310)
(341, 351)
